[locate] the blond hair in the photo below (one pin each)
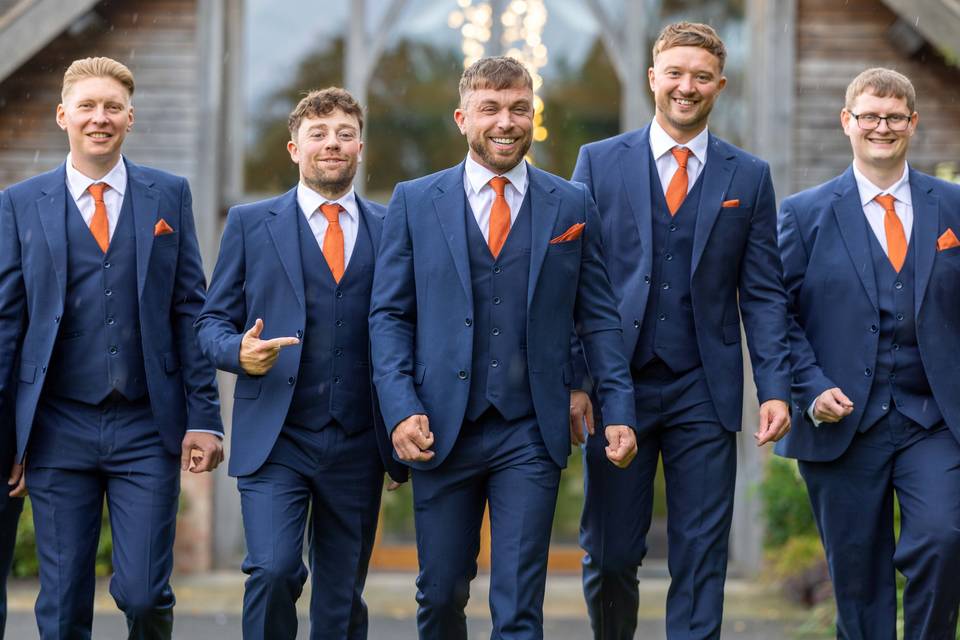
(495, 72)
(96, 68)
(882, 83)
(690, 34)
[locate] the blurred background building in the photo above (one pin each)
(217, 78)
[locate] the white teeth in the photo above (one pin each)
(99, 135)
(684, 102)
(504, 140)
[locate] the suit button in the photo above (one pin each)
(497, 269)
(673, 227)
(665, 286)
(43, 369)
(893, 376)
(874, 328)
(339, 293)
(668, 257)
(900, 317)
(57, 319)
(495, 331)
(337, 379)
(494, 363)
(896, 347)
(113, 350)
(898, 285)
(338, 352)
(662, 317)
(107, 292)
(868, 372)
(636, 324)
(462, 374)
(107, 264)
(299, 333)
(111, 321)
(497, 300)
(291, 380)
(885, 406)
(339, 323)
(468, 322)
(646, 279)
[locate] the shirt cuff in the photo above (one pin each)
(816, 422)
(216, 433)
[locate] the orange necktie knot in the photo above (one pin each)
(96, 190)
(498, 184)
(331, 212)
(499, 216)
(681, 155)
(99, 224)
(893, 228)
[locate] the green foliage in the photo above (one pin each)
(786, 508)
(25, 554)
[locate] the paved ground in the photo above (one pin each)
(208, 608)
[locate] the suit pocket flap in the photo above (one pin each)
(28, 372)
(247, 388)
(731, 333)
(418, 371)
(171, 363)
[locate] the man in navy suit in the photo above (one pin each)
(100, 282)
(10, 504)
(484, 272)
(872, 264)
(287, 312)
(689, 228)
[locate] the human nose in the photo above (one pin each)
(686, 84)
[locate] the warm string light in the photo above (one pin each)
(523, 22)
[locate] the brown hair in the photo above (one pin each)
(690, 34)
(96, 68)
(497, 73)
(882, 83)
(323, 102)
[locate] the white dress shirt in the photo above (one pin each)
(661, 143)
(480, 194)
(874, 211)
(116, 180)
(310, 201)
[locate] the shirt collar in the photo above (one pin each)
(899, 189)
(477, 176)
(661, 142)
(309, 201)
(78, 183)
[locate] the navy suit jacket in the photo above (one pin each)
(259, 274)
(170, 284)
(832, 288)
(421, 316)
(734, 259)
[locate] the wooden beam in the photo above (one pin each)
(28, 26)
(937, 20)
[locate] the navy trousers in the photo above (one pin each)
(336, 479)
(676, 421)
(78, 455)
(503, 464)
(852, 500)
(10, 509)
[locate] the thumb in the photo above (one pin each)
(841, 397)
(185, 449)
(256, 329)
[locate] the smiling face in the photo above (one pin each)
(327, 149)
(96, 114)
(498, 125)
(685, 82)
(880, 149)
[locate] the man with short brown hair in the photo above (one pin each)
(100, 282)
(485, 271)
(690, 233)
(872, 263)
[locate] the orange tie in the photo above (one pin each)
(677, 189)
(896, 238)
(333, 240)
(499, 217)
(99, 225)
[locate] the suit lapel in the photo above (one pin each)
(849, 213)
(544, 207)
(373, 224)
(284, 230)
(145, 203)
(450, 204)
(926, 224)
(717, 174)
(634, 164)
(51, 209)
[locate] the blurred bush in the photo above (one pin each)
(25, 554)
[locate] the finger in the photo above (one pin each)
(588, 417)
(393, 485)
(185, 455)
(841, 398)
(20, 491)
(202, 461)
(256, 329)
(278, 343)
(15, 472)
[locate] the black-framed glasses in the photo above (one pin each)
(870, 121)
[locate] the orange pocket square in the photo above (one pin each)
(947, 241)
(572, 233)
(731, 203)
(162, 228)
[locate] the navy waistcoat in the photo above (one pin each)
(899, 380)
(98, 348)
(668, 330)
(333, 382)
(499, 376)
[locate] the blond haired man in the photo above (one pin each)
(871, 263)
(100, 281)
(690, 232)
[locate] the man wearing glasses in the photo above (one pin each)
(871, 264)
